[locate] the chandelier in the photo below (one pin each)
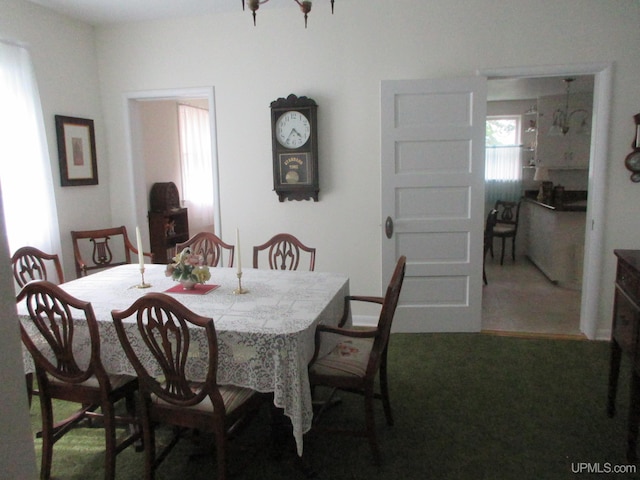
(305, 7)
(562, 118)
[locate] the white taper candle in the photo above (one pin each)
(238, 261)
(140, 252)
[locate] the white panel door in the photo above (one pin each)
(433, 135)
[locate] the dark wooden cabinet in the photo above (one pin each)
(624, 339)
(168, 222)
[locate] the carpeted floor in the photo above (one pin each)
(467, 406)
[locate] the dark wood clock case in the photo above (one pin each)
(295, 170)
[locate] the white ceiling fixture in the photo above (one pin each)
(305, 7)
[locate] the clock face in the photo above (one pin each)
(292, 129)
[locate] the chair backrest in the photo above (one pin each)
(508, 212)
(210, 246)
(30, 263)
(103, 253)
(166, 328)
(51, 336)
(389, 305)
(284, 252)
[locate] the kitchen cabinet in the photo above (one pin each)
(555, 242)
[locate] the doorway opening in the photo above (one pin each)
(591, 255)
(152, 161)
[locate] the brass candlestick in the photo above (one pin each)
(142, 283)
(240, 290)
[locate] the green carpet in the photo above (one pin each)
(467, 406)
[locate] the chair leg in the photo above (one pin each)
(502, 254)
(384, 392)
(110, 441)
(46, 411)
(513, 249)
(371, 426)
(221, 452)
(29, 380)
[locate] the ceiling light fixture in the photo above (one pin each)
(562, 118)
(305, 7)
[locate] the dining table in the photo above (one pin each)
(266, 336)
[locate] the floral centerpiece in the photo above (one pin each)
(188, 269)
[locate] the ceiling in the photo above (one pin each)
(101, 12)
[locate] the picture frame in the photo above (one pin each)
(76, 151)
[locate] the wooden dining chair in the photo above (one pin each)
(166, 328)
(52, 342)
(284, 252)
(358, 357)
(492, 218)
(506, 225)
(103, 253)
(210, 246)
(30, 263)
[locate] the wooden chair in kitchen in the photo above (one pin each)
(210, 246)
(506, 226)
(103, 253)
(50, 337)
(167, 328)
(358, 357)
(488, 239)
(284, 252)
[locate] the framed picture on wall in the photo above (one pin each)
(76, 151)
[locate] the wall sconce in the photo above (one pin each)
(562, 118)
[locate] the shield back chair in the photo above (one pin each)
(30, 263)
(103, 254)
(506, 225)
(166, 328)
(210, 246)
(284, 252)
(51, 339)
(488, 239)
(359, 356)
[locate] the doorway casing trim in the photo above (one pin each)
(594, 231)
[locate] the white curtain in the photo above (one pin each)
(503, 174)
(197, 174)
(25, 168)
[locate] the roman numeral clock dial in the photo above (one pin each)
(295, 148)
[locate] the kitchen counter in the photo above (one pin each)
(574, 201)
(556, 239)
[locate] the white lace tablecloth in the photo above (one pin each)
(265, 337)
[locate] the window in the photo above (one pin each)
(503, 169)
(25, 170)
(502, 161)
(197, 177)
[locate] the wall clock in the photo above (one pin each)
(632, 162)
(294, 137)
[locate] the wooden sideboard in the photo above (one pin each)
(624, 339)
